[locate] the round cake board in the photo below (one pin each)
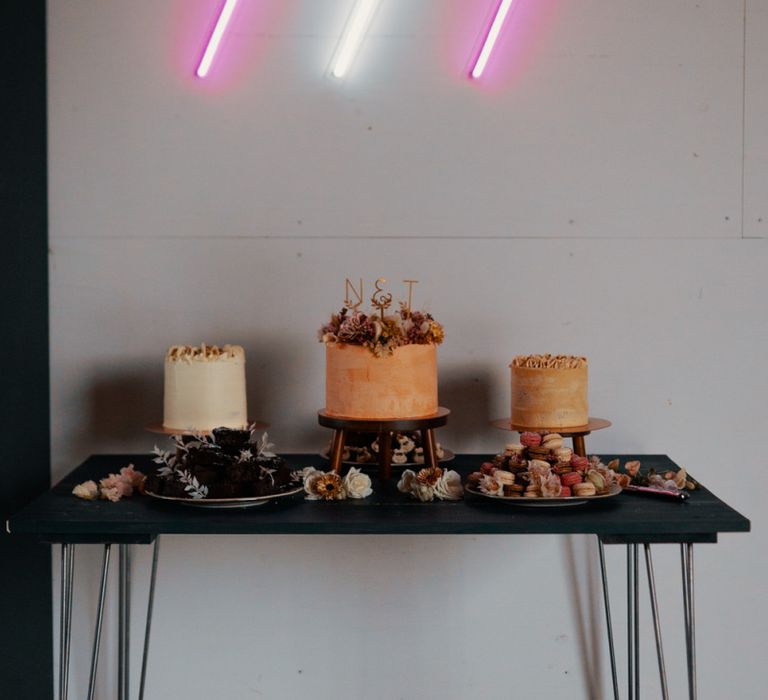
(593, 424)
(161, 429)
(378, 425)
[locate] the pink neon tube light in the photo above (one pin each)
(215, 40)
(491, 37)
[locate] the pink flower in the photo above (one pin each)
(490, 486)
(115, 484)
(133, 477)
(551, 486)
(112, 493)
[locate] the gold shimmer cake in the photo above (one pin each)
(381, 368)
(549, 391)
(204, 388)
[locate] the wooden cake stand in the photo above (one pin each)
(384, 429)
(576, 434)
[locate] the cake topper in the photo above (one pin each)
(410, 284)
(353, 295)
(348, 286)
(379, 299)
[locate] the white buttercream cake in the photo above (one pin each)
(205, 388)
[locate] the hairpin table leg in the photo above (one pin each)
(124, 622)
(65, 616)
(656, 622)
(99, 620)
(150, 606)
(633, 626)
(686, 553)
(608, 622)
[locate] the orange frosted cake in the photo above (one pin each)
(381, 368)
(204, 388)
(549, 391)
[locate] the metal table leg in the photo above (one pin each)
(65, 616)
(124, 622)
(656, 622)
(686, 554)
(99, 620)
(150, 607)
(608, 622)
(631, 621)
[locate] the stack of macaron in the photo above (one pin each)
(539, 466)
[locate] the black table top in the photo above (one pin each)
(57, 516)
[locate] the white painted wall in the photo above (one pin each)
(598, 194)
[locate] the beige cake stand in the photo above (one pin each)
(158, 428)
(576, 433)
(384, 428)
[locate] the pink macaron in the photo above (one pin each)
(530, 439)
(570, 479)
(580, 463)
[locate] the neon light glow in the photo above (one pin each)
(215, 40)
(491, 37)
(354, 33)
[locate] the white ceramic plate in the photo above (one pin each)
(224, 503)
(614, 490)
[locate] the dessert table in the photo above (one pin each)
(631, 520)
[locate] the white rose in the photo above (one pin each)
(424, 492)
(448, 486)
(310, 476)
(357, 484)
(406, 481)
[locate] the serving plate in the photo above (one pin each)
(226, 503)
(557, 502)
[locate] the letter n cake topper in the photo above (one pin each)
(349, 287)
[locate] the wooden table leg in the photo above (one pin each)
(428, 444)
(337, 449)
(578, 445)
(385, 455)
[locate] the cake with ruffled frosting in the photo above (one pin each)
(549, 391)
(204, 388)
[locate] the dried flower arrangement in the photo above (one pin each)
(382, 335)
(329, 486)
(431, 483)
(113, 487)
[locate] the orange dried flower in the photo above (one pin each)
(429, 475)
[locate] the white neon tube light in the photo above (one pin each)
(354, 33)
(215, 40)
(491, 37)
